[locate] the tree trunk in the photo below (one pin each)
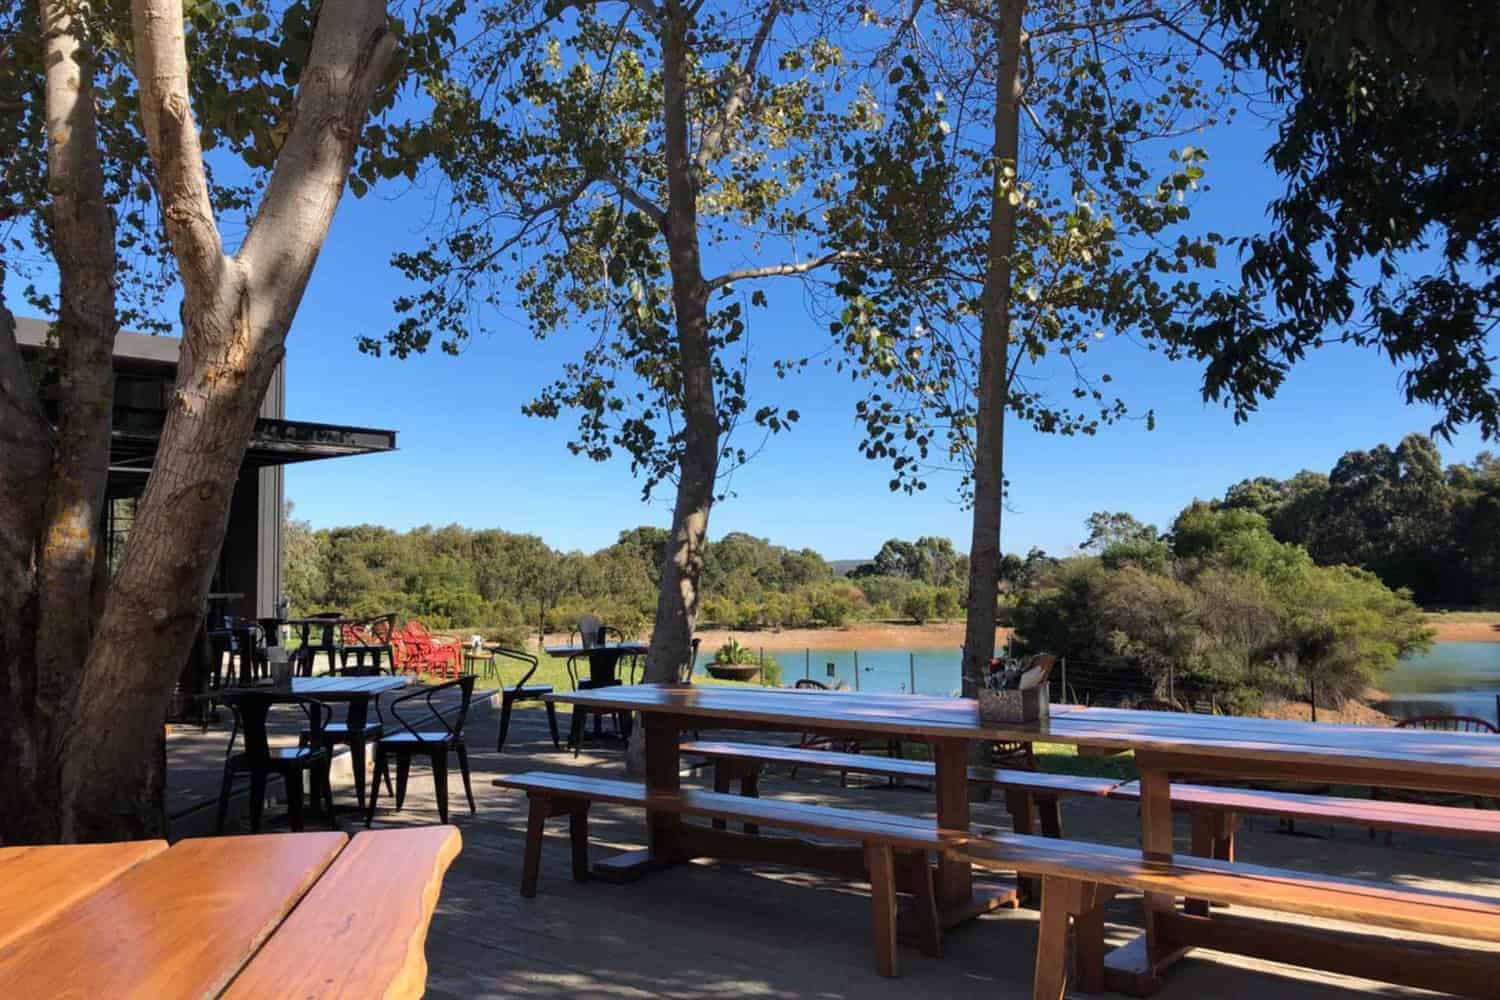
(698, 465)
(235, 315)
(994, 361)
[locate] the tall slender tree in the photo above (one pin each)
(626, 168)
(1026, 201)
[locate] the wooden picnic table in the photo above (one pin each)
(302, 914)
(1166, 745)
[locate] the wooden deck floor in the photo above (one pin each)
(719, 931)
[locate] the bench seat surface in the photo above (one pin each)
(1037, 781)
(1385, 815)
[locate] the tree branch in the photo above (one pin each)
(351, 53)
(638, 198)
(181, 181)
(782, 270)
(713, 139)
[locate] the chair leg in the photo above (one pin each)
(506, 701)
(440, 781)
(575, 729)
(403, 769)
(225, 788)
(552, 723)
(257, 799)
(382, 766)
(463, 769)
(531, 860)
(578, 831)
(880, 862)
(357, 762)
(292, 781)
(324, 777)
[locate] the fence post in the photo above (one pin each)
(856, 670)
(912, 668)
(1063, 664)
(1171, 683)
(1312, 685)
(807, 663)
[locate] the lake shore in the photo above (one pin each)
(1466, 626)
(859, 635)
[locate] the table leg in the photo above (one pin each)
(359, 711)
(958, 899)
(1136, 968)
(663, 830)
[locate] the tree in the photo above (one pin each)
(115, 680)
(593, 161)
(1388, 233)
(995, 258)
(1108, 529)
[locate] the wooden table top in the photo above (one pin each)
(1408, 750)
(142, 919)
(617, 648)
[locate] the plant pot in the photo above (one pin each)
(734, 671)
(1013, 705)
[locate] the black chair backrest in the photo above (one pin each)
(685, 675)
(515, 654)
(361, 670)
(251, 709)
(329, 632)
(1449, 723)
(438, 700)
(808, 684)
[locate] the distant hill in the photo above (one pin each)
(843, 567)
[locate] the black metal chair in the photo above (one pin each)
(259, 760)
(370, 638)
(521, 691)
(590, 632)
(435, 737)
(326, 640)
(337, 732)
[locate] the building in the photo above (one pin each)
(249, 569)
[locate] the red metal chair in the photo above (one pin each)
(424, 653)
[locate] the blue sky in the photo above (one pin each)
(467, 454)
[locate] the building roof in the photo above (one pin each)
(274, 441)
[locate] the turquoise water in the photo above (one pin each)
(889, 671)
(1454, 678)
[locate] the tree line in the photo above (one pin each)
(509, 585)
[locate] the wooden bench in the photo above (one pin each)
(1078, 879)
(896, 848)
(1216, 812)
(1029, 795)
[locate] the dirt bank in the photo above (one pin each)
(861, 635)
(1463, 630)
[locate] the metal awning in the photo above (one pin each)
(136, 433)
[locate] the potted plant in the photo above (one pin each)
(734, 662)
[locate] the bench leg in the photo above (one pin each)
(880, 860)
(750, 788)
(1050, 980)
(531, 862)
(723, 772)
(1019, 803)
(1202, 846)
(578, 830)
(1050, 814)
(1066, 901)
(929, 927)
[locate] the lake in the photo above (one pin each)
(1454, 678)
